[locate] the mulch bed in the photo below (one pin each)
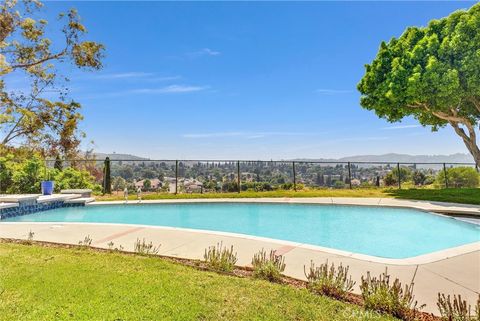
(239, 271)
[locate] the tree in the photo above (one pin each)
(107, 180)
(147, 184)
(118, 183)
(32, 117)
(431, 74)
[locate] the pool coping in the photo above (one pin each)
(428, 206)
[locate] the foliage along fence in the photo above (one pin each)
(207, 176)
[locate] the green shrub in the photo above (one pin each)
(71, 178)
(220, 258)
(459, 177)
(419, 178)
(6, 173)
(390, 179)
(458, 310)
(382, 296)
(27, 176)
(333, 282)
(268, 267)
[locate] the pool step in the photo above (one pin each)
(80, 200)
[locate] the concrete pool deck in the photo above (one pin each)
(452, 271)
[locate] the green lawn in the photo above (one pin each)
(46, 283)
(453, 195)
(466, 195)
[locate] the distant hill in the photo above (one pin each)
(403, 158)
(392, 157)
(115, 156)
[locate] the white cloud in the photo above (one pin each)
(325, 91)
(172, 89)
(401, 127)
(204, 52)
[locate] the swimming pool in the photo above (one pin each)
(377, 231)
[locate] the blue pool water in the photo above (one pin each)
(377, 231)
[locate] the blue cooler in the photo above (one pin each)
(47, 187)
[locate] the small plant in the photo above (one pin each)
(330, 281)
(458, 310)
(268, 267)
(382, 296)
(220, 258)
(110, 245)
(87, 241)
(144, 248)
(29, 239)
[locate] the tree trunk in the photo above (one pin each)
(470, 141)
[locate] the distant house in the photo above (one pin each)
(193, 186)
(155, 183)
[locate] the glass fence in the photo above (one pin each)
(223, 176)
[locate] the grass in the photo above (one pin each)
(465, 195)
(50, 283)
(453, 195)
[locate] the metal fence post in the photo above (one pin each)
(238, 176)
(176, 177)
(445, 174)
(349, 175)
(399, 176)
(294, 177)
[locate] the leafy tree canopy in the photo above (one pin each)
(432, 74)
(41, 116)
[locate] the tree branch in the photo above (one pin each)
(31, 64)
(476, 103)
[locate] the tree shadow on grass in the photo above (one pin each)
(453, 195)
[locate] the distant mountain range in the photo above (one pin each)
(402, 158)
(392, 157)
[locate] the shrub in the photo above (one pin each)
(389, 180)
(333, 282)
(419, 178)
(6, 173)
(144, 248)
(27, 176)
(220, 258)
(381, 296)
(458, 310)
(268, 267)
(229, 187)
(71, 178)
(459, 177)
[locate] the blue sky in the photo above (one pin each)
(248, 80)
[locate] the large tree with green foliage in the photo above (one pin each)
(41, 115)
(431, 73)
